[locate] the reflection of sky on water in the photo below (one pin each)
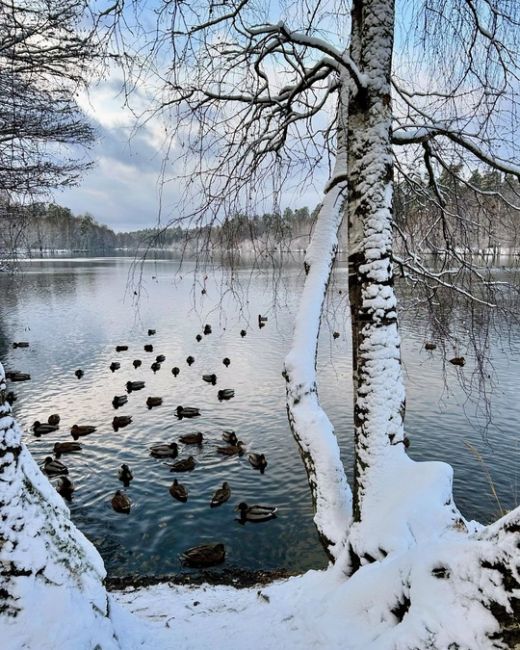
(75, 312)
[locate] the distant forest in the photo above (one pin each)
(421, 212)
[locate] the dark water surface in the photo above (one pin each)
(74, 313)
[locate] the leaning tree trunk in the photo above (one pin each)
(51, 586)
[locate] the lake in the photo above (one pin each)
(75, 311)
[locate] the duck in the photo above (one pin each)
(65, 448)
(134, 385)
(210, 379)
(151, 332)
(243, 333)
(40, 429)
(175, 371)
(119, 400)
(53, 467)
(54, 419)
(178, 491)
(164, 450)
(184, 465)
(153, 401)
(225, 393)
(262, 320)
(204, 555)
(190, 360)
(155, 366)
(232, 450)
(65, 487)
(187, 412)
(125, 474)
(335, 335)
(429, 345)
(79, 373)
(16, 375)
(256, 512)
(20, 344)
(458, 361)
(148, 347)
(207, 329)
(192, 438)
(137, 363)
(121, 421)
(230, 436)
(121, 502)
(115, 365)
(160, 358)
(221, 495)
(198, 338)
(226, 361)
(121, 348)
(258, 461)
(10, 398)
(81, 430)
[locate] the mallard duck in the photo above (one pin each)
(160, 358)
(429, 346)
(190, 360)
(10, 398)
(79, 373)
(54, 419)
(198, 338)
(65, 448)
(81, 430)
(232, 450)
(243, 333)
(203, 556)
(151, 332)
(155, 366)
(20, 344)
(230, 436)
(134, 385)
(115, 365)
(53, 467)
(192, 438)
(40, 429)
(221, 495)
(153, 401)
(184, 465)
(226, 361)
(121, 348)
(187, 412)
(178, 491)
(458, 361)
(262, 320)
(16, 375)
(65, 487)
(119, 400)
(165, 450)
(125, 474)
(335, 335)
(258, 461)
(121, 421)
(207, 329)
(137, 363)
(121, 502)
(256, 512)
(175, 371)
(210, 379)
(225, 393)
(148, 347)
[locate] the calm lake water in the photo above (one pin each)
(74, 313)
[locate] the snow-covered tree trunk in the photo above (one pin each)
(310, 425)
(51, 586)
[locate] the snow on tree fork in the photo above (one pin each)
(51, 586)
